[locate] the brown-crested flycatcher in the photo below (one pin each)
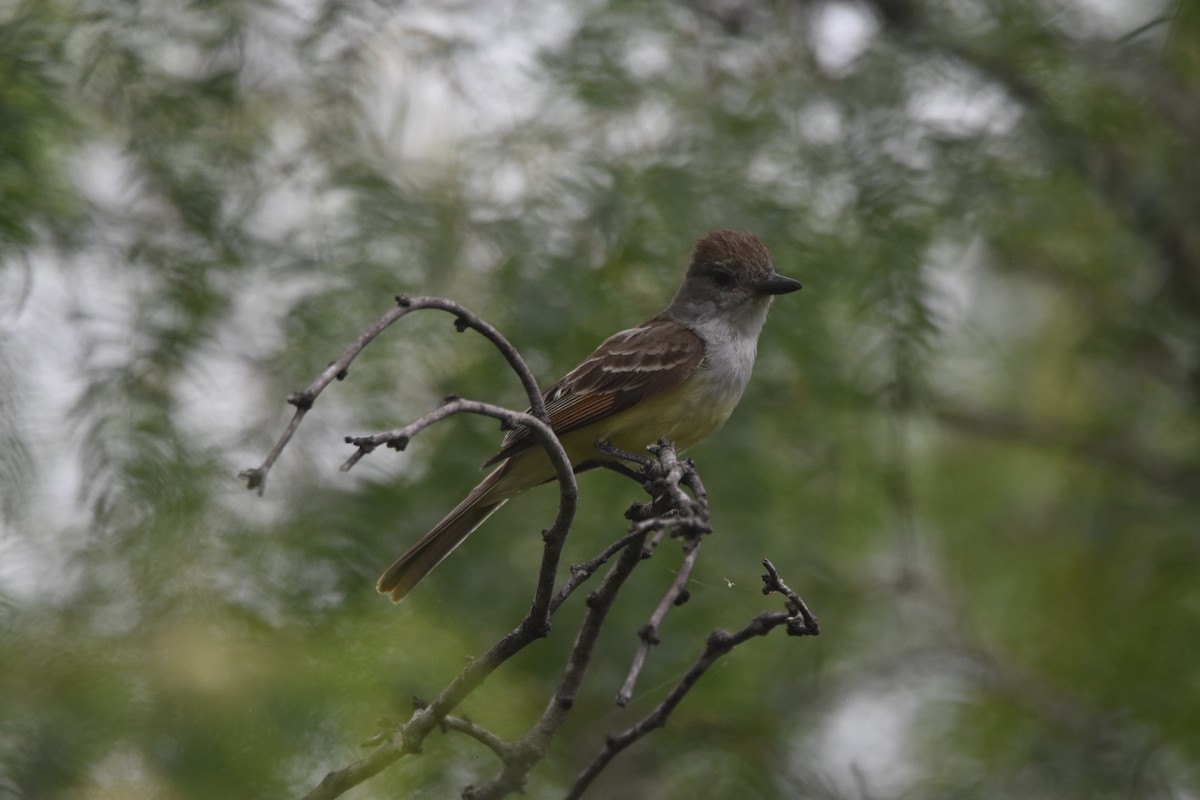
(676, 376)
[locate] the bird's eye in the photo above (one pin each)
(722, 278)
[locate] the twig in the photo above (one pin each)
(717, 645)
(480, 734)
(657, 473)
(256, 477)
(582, 571)
(533, 745)
(554, 537)
(802, 623)
(408, 737)
(648, 633)
(690, 519)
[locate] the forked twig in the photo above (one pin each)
(256, 477)
(718, 644)
(690, 522)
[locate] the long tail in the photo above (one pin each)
(419, 560)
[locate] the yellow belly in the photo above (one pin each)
(685, 415)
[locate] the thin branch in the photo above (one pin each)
(256, 477)
(555, 536)
(803, 623)
(690, 520)
(648, 633)
(340, 781)
(582, 571)
(407, 738)
(491, 741)
(718, 644)
(532, 747)
(671, 509)
(399, 438)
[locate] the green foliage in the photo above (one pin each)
(37, 127)
(971, 442)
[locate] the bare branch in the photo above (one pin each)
(581, 572)
(480, 734)
(802, 623)
(718, 644)
(407, 738)
(555, 536)
(532, 747)
(648, 633)
(690, 521)
(340, 781)
(256, 477)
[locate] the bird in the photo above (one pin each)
(677, 376)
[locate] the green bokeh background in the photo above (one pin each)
(972, 442)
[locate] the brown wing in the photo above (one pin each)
(627, 368)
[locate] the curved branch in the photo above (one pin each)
(256, 477)
(555, 536)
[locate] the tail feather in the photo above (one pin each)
(419, 560)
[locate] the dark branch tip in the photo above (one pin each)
(648, 634)
(255, 478)
(798, 627)
(301, 400)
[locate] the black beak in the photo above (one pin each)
(777, 284)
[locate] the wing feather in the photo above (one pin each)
(626, 369)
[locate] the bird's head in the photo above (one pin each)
(731, 276)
